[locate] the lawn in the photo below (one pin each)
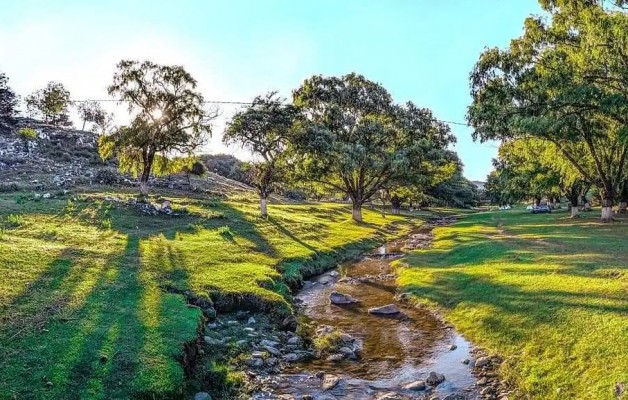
(87, 308)
(548, 293)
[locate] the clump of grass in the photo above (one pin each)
(13, 221)
(226, 233)
(330, 341)
(105, 223)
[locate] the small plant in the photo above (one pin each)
(20, 199)
(225, 232)
(70, 207)
(105, 223)
(27, 133)
(13, 221)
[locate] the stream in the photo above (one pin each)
(396, 350)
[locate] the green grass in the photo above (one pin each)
(548, 293)
(84, 310)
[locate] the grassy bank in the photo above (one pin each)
(547, 292)
(84, 310)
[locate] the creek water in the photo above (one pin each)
(396, 350)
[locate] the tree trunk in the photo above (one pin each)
(537, 201)
(395, 203)
(623, 198)
(83, 128)
(607, 205)
(147, 164)
(356, 213)
(575, 210)
(263, 206)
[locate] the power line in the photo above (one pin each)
(239, 103)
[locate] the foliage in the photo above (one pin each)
(92, 111)
(168, 119)
(546, 293)
(8, 98)
(52, 103)
(265, 129)
(564, 82)
(356, 140)
(27, 133)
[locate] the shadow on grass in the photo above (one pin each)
(559, 250)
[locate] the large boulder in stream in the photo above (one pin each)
(389, 309)
(435, 379)
(341, 299)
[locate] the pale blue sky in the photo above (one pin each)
(420, 50)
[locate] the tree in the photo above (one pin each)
(8, 98)
(265, 129)
(356, 140)
(91, 111)
(168, 119)
(564, 82)
(52, 103)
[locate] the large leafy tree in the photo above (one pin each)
(169, 119)
(564, 82)
(52, 103)
(265, 128)
(357, 141)
(8, 98)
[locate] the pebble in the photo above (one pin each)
(416, 385)
(453, 347)
(272, 350)
(482, 361)
(202, 396)
(330, 381)
(294, 340)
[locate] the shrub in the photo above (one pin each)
(27, 133)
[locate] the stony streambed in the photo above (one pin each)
(358, 338)
(411, 354)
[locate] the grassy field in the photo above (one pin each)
(83, 308)
(548, 293)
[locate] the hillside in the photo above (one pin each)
(61, 158)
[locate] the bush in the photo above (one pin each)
(27, 133)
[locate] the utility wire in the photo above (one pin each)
(239, 103)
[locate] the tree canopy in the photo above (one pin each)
(169, 118)
(8, 98)
(264, 128)
(355, 139)
(51, 102)
(564, 81)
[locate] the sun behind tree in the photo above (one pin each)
(169, 119)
